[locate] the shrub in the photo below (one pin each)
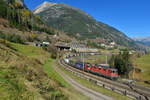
(53, 51)
(11, 37)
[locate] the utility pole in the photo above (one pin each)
(83, 61)
(106, 59)
(81, 57)
(107, 53)
(133, 72)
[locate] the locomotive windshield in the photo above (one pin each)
(113, 70)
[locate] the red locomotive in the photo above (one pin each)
(101, 69)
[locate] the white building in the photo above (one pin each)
(112, 43)
(46, 43)
(103, 45)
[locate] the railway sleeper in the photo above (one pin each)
(142, 98)
(146, 98)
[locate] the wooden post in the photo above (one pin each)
(125, 92)
(103, 85)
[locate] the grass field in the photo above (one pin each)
(31, 51)
(88, 84)
(38, 53)
(26, 74)
(143, 63)
(96, 59)
(13, 76)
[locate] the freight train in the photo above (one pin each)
(98, 69)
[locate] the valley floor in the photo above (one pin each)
(30, 74)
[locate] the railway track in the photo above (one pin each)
(87, 92)
(128, 90)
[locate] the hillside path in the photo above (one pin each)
(93, 95)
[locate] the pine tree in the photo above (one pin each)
(121, 62)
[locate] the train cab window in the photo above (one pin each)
(113, 71)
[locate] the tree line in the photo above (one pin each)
(122, 62)
(12, 38)
(21, 18)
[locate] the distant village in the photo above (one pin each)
(78, 47)
(74, 46)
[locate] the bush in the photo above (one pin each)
(11, 37)
(53, 51)
(16, 39)
(54, 55)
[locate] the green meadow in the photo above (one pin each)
(143, 63)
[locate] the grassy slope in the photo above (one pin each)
(36, 52)
(72, 93)
(88, 84)
(32, 52)
(23, 77)
(95, 59)
(12, 78)
(53, 74)
(143, 63)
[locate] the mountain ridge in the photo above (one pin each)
(77, 23)
(143, 40)
(147, 38)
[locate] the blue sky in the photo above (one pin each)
(132, 17)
